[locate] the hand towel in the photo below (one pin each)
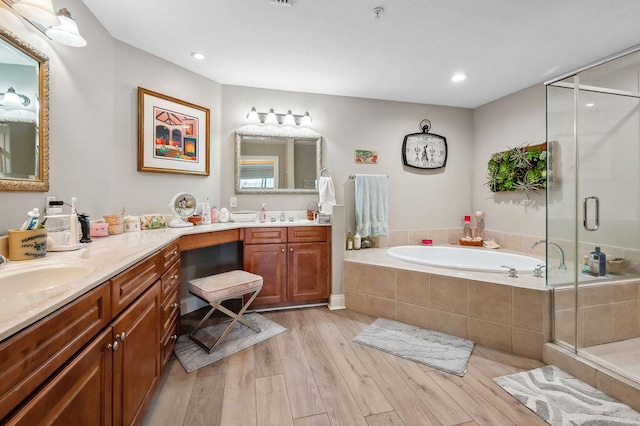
(327, 193)
(371, 205)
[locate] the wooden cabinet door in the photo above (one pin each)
(80, 394)
(270, 262)
(307, 272)
(136, 364)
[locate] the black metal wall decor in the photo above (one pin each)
(424, 150)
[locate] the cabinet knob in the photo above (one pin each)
(113, 347)
(291, 250)
(175, 305)
(174, 253)
(175, 276)
(174, 337)
(121, 336)
(282, 250)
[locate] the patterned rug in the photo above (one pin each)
(192, 356)
(561, 399)
(432, 348)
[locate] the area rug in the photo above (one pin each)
(192, 356)
(561, 399)
(432, 348)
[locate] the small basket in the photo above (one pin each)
(116, 223)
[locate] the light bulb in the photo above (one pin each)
(271, 117)
(289, 120)
(252, 116)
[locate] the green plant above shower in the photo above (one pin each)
(522, 168)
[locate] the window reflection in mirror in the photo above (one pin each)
(277, 164)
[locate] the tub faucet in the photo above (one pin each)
(562, 265)
(3, 260)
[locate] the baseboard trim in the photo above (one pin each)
(336, 301)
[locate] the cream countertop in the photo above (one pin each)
(110, 256)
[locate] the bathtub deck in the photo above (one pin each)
(508, 314)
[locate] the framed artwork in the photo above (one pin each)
(523, 168)
(173, 135)
(424, 150)
(366, 156)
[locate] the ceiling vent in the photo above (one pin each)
(281, 2)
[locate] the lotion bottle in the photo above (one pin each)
(357, 241)
(466, 230)
(263, 213)
(349, 241)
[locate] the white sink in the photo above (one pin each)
(25, 286)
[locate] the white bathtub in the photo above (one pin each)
(468, 259)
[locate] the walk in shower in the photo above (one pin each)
(593, 200)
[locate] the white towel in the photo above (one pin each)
(327, 193)
(371, 205)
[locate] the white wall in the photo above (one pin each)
(93, 140)
(93, 125)
(517, 119)
(417, 199)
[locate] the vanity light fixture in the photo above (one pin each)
(197, 55)
(458, 77)
(14, 100)
(67, 32)
(271, 117)
(38, 11)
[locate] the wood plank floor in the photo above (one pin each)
(314, 375)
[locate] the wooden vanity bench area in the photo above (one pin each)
(98, 359)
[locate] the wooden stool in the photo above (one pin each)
(215, 289)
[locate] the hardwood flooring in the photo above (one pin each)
(314, 375)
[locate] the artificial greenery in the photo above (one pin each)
(523, 168)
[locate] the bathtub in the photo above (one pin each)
(468, 259)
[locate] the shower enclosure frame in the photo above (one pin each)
(578, 218)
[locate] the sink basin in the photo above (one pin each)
(26, 286)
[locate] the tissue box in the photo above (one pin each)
(152, 221)
(324, 218)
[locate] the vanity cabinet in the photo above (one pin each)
(170, 312)
(97, 360)
(293, 262)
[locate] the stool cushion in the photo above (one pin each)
(225, 285)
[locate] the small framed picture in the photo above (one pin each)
(309, 183)
(366, 156)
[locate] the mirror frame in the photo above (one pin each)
(41, 184)
(305, 134)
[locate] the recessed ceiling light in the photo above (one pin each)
(590, 104)
(458, 77)
(197, 55)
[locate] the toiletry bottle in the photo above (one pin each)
(586, 269)
(602, 263)
(206, 213)
(214, 214)
(263, 213)
(594, 262)
(466, 230)
(357, 241)
(73, 224)
(349, 242)
(479, 225)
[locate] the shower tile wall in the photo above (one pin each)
(608, 312)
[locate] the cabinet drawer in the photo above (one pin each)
(170, 279)
(265, 235)
(170, 308)
(131, 283)
(169, 341)
(307, 234)
(170, 254)
(31, 356)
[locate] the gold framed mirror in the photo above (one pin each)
(24, 115)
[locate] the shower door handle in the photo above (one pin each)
(585, 223)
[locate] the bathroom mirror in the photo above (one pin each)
(24, 115)
(277, 162)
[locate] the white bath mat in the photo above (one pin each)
(561, 399)
(192, 356)
(432, 348)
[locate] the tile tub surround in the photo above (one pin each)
(509, 314)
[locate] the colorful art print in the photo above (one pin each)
(366, 156)
(173, 135)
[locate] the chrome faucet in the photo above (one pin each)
(562, 265)
(3, 260)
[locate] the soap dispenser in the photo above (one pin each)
(263, 213)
